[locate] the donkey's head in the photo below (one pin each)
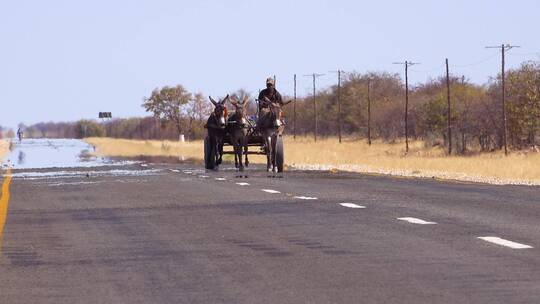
(240, 110)
(220, 111)
(276, 114)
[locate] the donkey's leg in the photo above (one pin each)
(220, 151)
(243, 150)
(237, 156)
(274, 140)
(213, 146)
(234, 143)
(214, 153)
(268, 142)
(218, 155)
(246, 151)
(240, 150)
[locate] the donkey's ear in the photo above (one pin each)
(212, 101)
(225, 99)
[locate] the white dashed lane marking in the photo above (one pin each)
(503, 242)
(413, 220)
(270, 191)
(351, 205)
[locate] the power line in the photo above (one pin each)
(525, 54)
(474, 63)
(534, 57)
(484, 60)
(429, 70)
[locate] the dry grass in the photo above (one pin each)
(518, 167)
(132, 148)
(383, 158)
(4, 148)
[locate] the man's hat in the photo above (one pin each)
(270, 80)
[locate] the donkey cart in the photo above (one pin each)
(255, 143)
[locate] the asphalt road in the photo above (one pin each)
(172, 233)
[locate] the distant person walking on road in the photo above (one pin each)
(20, 134)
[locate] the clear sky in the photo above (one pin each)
(66, 60)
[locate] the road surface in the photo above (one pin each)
(125, 232)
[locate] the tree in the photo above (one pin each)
(523, 105)
(386, 106)
(197, 110)
(88, 128)
(167, 103)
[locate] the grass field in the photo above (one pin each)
(357, 156)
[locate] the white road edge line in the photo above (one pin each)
(270, 191)
(242, 184)
(414, 220)
(503, 242)
(221, 178)
(306, 197)
(351, 205)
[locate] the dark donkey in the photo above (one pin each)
(216, 124)
(238, 129)
(271, 125)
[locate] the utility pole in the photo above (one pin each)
(503, 48)
(315, 75)
(407, 64)
(368, 112)
(339, 102)
(448, 118)
(294, 109)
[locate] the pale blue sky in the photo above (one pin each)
(66, 60)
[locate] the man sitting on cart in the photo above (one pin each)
(267, 96)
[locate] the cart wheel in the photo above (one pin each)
(209, 158)
(280, 157)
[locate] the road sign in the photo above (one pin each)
(105, 115)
